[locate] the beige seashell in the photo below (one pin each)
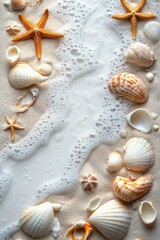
(13, 28)
(7, 3)
(139, 155)
(140, 119)
(123, 133)
(141, 55)
(56, 229)
(128, 86)
(147, 212)
(94, 204)
(112, 219)
(154, 116)
(131, 190)
(79, 231)
(44, 69)
(155, 127)
(114, 162)
(150, 76)
(37, 221)
(89, 181)
(13, 54)
(19, 4)
(22, 76)
(152, 31)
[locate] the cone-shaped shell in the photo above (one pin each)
(139, 155)
(79, 231)
(131, 190)
(22, 76)
(36, 221)
(128, 86)
(112, 220)
(147, 212)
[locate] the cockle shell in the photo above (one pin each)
(141, 55)
(128, 86)
(13, 54)
(22, 76)
(152, 31)
(13, 28)
(19, 4)
(140, 119)
(93, 204)
(112, 219)
(147, 212)
(114, 162)
(44, 69)
(131, 190)
(139, 155)
(79, 231)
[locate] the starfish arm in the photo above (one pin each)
(145, 16)
(134, 27)
(18, 127)
(6, 128)
(7, 120)
(14, 120)
(47, 34)
(43, 19)
(23, 36)
(38, 45)
(126, 16)
(126, 6)
(26, 22)
(140, 6)
(12, 133)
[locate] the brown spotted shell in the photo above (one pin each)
(128, 86)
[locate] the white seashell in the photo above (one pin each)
(150, 76)
(56, 229)
(123, 133)
(140, 119)
(19, 4)
(154, 116)
(13, 28)
(56, 207)
(139, 155)
(37, 221)
(94, 204)
(152, 31)
(155, 127)
(114, 162)
(147, 212)
(7, 3)
(44, 69)
(13, 54)
(22, 76)
(79, 231)
(140, 55)
(112, 219)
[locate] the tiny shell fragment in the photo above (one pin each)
(13, 28)
(56, 230)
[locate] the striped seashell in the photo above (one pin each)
(128, 86)
(131, 190)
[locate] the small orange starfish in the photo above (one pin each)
(133, 15)
(37, 32)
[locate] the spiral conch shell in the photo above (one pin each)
(128, 86)
(22, 76)
(112, 219)
(79, 231)
(140, 55)
(131, 190)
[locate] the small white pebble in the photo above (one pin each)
(155, 127)
(150, 76)
(123, 133)
(154, 116)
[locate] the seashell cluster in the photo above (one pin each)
(79, 231)
(128, 86)
(13, 28)
(139, 155)
(112, 220)
(141, 55)
(152, 31)
(94, 204)
(140, 119)
(128, 190)
(13, 54)
(114, 162)
(19, 4)
(22, 76)
(89, 182)
(147, 212)
(44, 69)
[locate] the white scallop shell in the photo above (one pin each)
(140, 119)
(114, 162)
(152, 31)
(140, 55)
(19, 4)
(22, 76)
(139, 155)
(112, 219)
(93, 204)
(13, 28)
(147, 212)
(13, 54)
(44, 69)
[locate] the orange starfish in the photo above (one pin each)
(133, 15)
(37, 32)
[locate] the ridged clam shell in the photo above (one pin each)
(147, 212)
(139, 155)
(131, 190)
(141, 55)
(22, 76)
(112, 219)
(19, 4)
(13, 28)
(79, 231)
(114, 162)
(13, 54)
(36, 221)
(152, 31)
(44, 69)
(128, 86)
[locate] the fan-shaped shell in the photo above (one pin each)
(112, 219)
(36, 221)
(128, 86)
(131, 190)
(139, 155)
